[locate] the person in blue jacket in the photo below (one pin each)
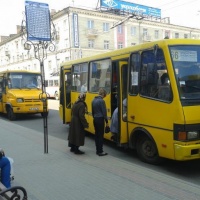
(99, 114)
(5, 169)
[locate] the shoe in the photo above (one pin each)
(72, 150)
(79, 152)
(102, 154)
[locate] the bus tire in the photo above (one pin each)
(147, 150)
(11, 115)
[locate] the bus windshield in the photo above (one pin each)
(186, 63)
(18, 80)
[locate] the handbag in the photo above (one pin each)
(107, 129)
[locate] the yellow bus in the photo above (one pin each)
(20, 93)
(160, 81)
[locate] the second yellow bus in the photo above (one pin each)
(161, 82)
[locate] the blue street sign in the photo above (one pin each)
(37, 21)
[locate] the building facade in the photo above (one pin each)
(81, 33)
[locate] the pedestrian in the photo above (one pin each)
(5, 167)
(78, 124)
(99, 114)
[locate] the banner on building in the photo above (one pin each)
(75, 30)
(131, 7)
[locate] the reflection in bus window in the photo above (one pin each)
(100, 75)
(23, 80)
(79, 77)
(152, 76)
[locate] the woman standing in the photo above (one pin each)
(78, 124)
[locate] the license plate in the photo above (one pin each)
(33, 109)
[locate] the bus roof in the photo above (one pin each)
(128, 50)
(20, 71)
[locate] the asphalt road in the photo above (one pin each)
(187, 171)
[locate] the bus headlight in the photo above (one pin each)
(20, 100)
(192, 135)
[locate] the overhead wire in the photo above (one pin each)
(189, 2)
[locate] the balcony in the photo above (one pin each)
(91, 33)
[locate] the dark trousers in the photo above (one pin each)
(99, 126)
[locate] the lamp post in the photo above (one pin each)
(39, 32)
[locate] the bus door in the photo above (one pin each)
(122, 99)
(65, 96)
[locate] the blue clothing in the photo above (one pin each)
(5, 171)
(99, 108)
(114, 122)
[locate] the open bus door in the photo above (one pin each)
(123, 66)
(65, 95)
(122, 75)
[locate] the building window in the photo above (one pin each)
(193, 36)
(105, 27)
(106, 44)
(156, 34)
(90, 24)
(17, 45)
(65, 24)
(133, 30)
(91, 44)
(133, 44)
(120, 45)
(167, 34)
(176, 35)
(49, 65)
(145, 32)
(35, 67)
(66, 58)
(120, 29)
(185, 35)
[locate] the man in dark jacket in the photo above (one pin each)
(78, 124)
(99, 114)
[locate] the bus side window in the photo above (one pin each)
(134, 75)
(100, 75)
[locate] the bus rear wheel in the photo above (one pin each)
(147, 150)
(11, 115)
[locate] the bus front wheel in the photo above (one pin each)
(147, 150)
(11, 115)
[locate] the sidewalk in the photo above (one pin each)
(62, 175)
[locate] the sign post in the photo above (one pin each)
(36, 29)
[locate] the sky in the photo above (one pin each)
(181, 12)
